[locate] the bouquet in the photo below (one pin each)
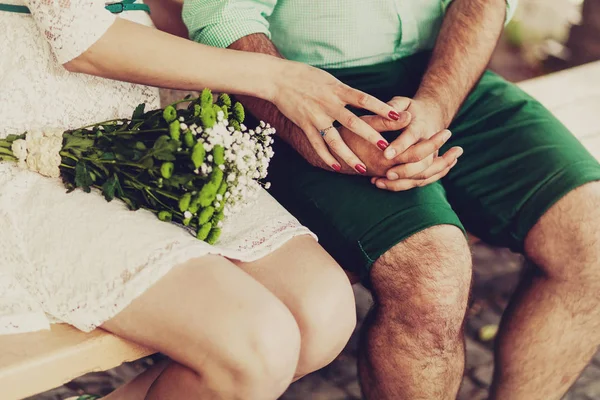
(194, 166)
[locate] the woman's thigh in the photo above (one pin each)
(208, 314)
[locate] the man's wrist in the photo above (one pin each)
(437, 107)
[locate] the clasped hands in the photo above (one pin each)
(412, 159)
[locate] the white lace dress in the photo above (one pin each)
(75, 258)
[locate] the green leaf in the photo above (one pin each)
(108, 156)
(83, 178)
(111, 188)
(164, 148)
(139, 111)
(77, 142)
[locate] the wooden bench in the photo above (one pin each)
(35, 362)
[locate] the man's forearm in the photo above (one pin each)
(286, 129)
(463, 49)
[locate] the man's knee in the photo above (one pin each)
(565, 242)
(424, 282)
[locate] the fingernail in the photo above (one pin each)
(394, 115)
(447, 135)
(390, 153)
(360, 168)
(336, 167)
(460, 153)
(381, 185)
(382, 144)
(393, 176)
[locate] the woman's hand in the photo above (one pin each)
(313, 100)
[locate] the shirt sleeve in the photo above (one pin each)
(70, 26)
(219, 23)
(511, 6)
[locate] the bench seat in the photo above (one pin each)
(35, 362)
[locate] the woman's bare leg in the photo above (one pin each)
(229, 337)
(317, 292)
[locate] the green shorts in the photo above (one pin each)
(518, 161)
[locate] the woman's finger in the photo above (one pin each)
(361, 128)
(335, 143)
(381, 124)
(423, 148)
(320, 147)
(365, 101)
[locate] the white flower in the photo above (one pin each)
(187, 215)
(209, 157)
(181, 119)
(268, 185)
(243, 127)
(183, 126)
(217, 204)
(219, 197)
(220, 115)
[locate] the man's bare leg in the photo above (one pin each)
(550, 331)
(413, 344)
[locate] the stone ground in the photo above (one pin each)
(496, 274)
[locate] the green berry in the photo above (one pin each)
(207, 194)
(238, 112)
(235, 125)
(219, 155)
(205, 215)
(166, 169)
(184, 202)
(197, 109)
(216, 178)
(165, 216)
(206, 98)
(204, 231)
(189, 139)
(218, 216)
(222, 188)
(170, 114)
(208, 117)
(174, 130)
(198, 154)
(224, 100)
(213, 236)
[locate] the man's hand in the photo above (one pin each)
(413, 155)
(377, 166)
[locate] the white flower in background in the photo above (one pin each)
(541, 27)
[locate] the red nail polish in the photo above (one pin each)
(394, 115)
(360, 168)
(382, 144)
(337, 167)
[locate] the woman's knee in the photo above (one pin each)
(326, 315)
(263, 354)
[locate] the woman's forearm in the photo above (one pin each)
(135, 53)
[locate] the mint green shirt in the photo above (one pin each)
(324, 33)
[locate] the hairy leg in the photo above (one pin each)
(317, 292)
(550, 331)
(228, 336)
(413, 344)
